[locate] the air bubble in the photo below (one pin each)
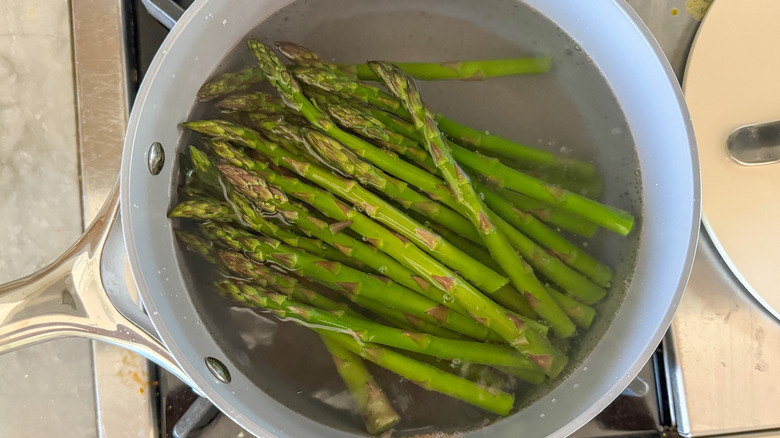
(576, 385)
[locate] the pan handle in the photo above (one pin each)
(167, 12)
(84, 294)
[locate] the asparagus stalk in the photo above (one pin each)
(251, 102)
(256, 188)
(567, 251)
(343, 159)
(367, 126)
(582, 314)
(371, 204)
(239, 264)
(229, 83)
(199, 245)
(291, 91)
(608, 217)
(384, 125)
(372, 403)
(427, 376)
(466, 70)
(547, 213)
(211, 209)
(456, 292)
(367, 331)
(498, 145)
(350, 282)
(562, 248)
(344, 86)
(519, 272)
(493, 170)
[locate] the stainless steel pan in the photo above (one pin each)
(611, 98)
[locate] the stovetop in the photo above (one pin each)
(718, 331)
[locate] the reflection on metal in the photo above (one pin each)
(200, 413)
(755, 145)
(218, 369)
(165, 11)
(123, 379)
(78, 273)
(155, 158)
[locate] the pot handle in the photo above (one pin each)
(84, 294)
(165, 11)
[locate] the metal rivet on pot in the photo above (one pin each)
(218, 369)
(156, 158)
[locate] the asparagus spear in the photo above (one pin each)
(367, 331)
(256, 188)
(229, 83)
(429, 377)
(519, 272)
(562, 248)
(456, 292)
(254, 185)
(350, 282)
(344, 86)
(211, 209)
(291, 91)
(492, 169)
(239, 264)
(250, 102)
(371, 204)
(468, 70)
(547, 213)
(372, 403)
(544, 212)
(343, 159)
(371, 128)
(582, 314)
(534, 254)
(498, 145)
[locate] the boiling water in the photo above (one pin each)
(569, 111)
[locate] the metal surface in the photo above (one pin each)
(122, 379)
(199, 414)
(203, 35)
(724, 354)
(68, 298)
(755, 145)
(166, 12)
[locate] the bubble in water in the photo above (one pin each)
(382, 269)
(584, 368)
(577, 48)
(553, 400)
(487, 132)
(541, 415)
(456, 361)
(576, 385)
(481, 196)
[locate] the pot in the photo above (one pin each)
(611, 94)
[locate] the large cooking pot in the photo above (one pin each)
(611, 98)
